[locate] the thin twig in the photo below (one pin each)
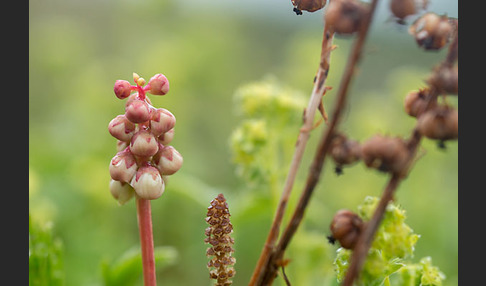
(322, 150)
(144, 215)
(314, 102)
(286, 279)
(366, 238)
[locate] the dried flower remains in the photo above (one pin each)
(218, 235)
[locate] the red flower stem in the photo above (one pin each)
(144, 215)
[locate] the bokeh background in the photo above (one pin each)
(208, 49)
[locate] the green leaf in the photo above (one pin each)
(127, 270)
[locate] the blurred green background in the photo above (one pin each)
(207, 50)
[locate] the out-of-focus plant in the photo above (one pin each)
(127, 270)
(261, 144)
(46, 263)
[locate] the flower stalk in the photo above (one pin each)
(144, 216)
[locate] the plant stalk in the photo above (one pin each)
(321, 152)
(315, 100)
(366, 238)
(144, 215)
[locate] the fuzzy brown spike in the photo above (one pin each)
(218, 235)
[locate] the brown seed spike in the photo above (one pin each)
(218, 235)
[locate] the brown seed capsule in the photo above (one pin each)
(431, 31)
(344, 151)
(404, 8)
(346, 227)
(416, 102)
(445, 79)
(345, 16)
(387, 154)
(309, 5)
(440, 123)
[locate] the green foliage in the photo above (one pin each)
(45, 255)
(271, 115)
(128, 271)
(389, 256)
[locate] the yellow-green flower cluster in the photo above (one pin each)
(269, 99)
(271, 116)
(422, 273)
(388, 256)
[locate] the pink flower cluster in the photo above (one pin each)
(144, 158)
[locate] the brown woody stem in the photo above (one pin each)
(318, 91)
(315, 99)
(322, 150)
(144, 215)
(366, 238)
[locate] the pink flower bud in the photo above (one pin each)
(123, 166)
(122, 89)
(137, 111)
(121, 145)
(121, 128)
(148, 183)
(134, 96)
(168, 160)
(159, 85)
(166, 138)
(122, 192)
(162, 121)
(144, 144)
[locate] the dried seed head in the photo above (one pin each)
(162, 121)
(122, 192)
(346, 227)
(137, 111)
(148, 183)
(445, 79)
(440, 123)
(159, 85)
(345, 16)
(387, 154)
(123, 166)
(344, 151)
(404, 8)
(122, 89)
(144, 144)
(121, 128)
(431, 31)
(309, 5)
(416, 102)
(218, 235)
